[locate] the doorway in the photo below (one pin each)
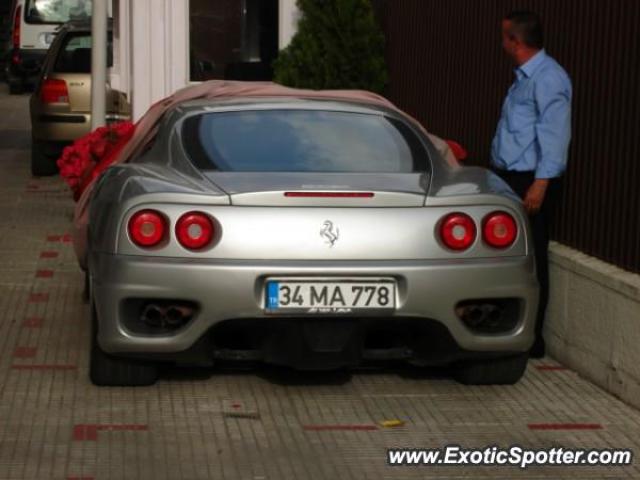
(233, 39)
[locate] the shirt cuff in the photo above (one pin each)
(549, 170)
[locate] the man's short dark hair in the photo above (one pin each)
(527, 26)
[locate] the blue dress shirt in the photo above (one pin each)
(534, 130)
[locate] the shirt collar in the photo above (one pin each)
(528, 69)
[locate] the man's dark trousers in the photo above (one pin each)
(520, 183)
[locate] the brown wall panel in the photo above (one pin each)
(447, 68)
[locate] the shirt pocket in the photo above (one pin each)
(521, 114)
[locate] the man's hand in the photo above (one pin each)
(535, 195)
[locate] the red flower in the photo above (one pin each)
(99, 147)
(81, 162)
(123, 129)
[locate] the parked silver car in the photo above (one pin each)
(315, 234)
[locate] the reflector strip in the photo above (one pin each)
(330, 194)
(338, 428)
(25, 352)
(90, 432)
(33, 322)
(44, 367)
(564, 426)
(38, 297)
(551, 368)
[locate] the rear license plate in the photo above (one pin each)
(332, 297)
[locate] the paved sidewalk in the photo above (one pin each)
(262, 423)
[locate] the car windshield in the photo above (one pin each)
(302, 141)
(57, 11)
(75, 54)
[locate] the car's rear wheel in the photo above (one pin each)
(494, 371)
(43, 163)
(86, 291)
(108, 371)
(16, 87)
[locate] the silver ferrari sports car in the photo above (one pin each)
(310, 233)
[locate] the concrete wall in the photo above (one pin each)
(593, 323)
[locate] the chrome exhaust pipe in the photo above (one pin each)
(489, 316)
(494, 314)
(153, 315)
(177, 315)
(475, 315)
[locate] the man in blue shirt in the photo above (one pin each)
(531, 144)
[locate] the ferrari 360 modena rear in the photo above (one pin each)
(321, 245)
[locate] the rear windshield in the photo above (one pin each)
(75, 54)
(56, 11)
(302, 141)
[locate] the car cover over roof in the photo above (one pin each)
(147, 127)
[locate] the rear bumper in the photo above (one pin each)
(65, 127)
(233, 291)
(60, 127)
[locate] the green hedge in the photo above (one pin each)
(338, 45)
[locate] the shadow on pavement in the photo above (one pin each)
(285, 376)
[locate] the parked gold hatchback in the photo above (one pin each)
(61, 102)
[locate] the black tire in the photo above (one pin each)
(16, 88)
(42, 163)
(494, 371)
(108, 371)
(86, 291)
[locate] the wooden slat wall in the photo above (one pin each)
(447, 68)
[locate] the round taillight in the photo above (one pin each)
(147, 228)
(499, 230)
(458, 231)
(194, 230)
